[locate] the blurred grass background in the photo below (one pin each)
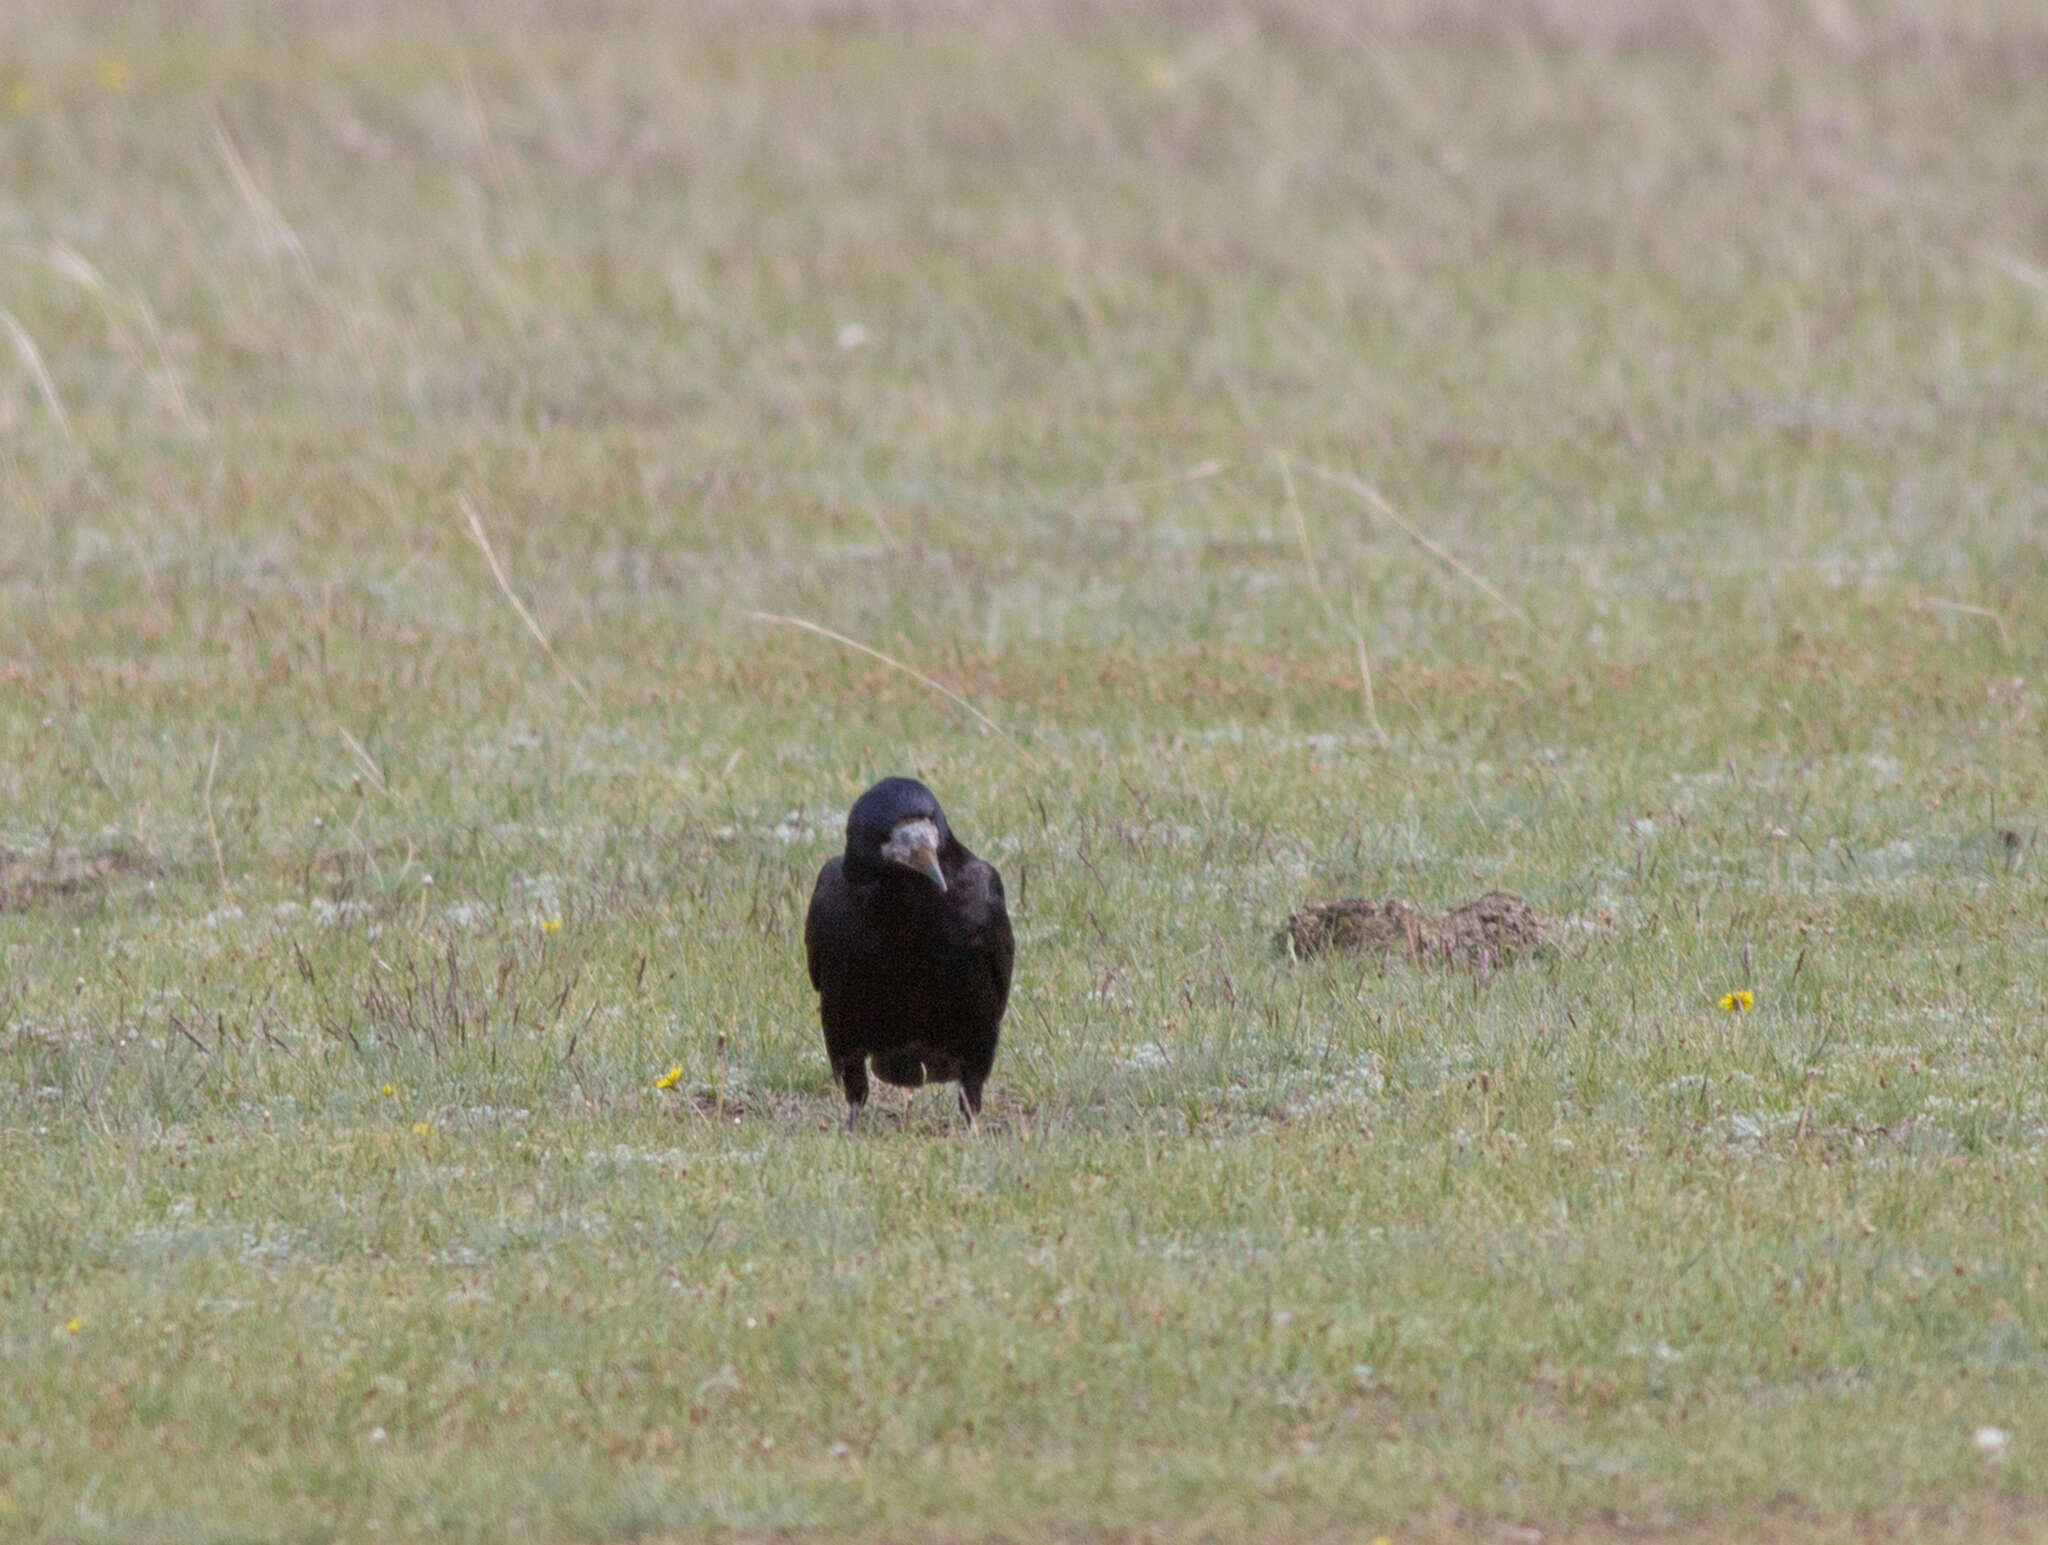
(344, 940)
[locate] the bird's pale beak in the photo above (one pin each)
(915, 845)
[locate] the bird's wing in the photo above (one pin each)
(993, 939)
(829, 901)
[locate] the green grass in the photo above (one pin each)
(1714, 348)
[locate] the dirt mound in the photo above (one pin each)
(27, 879)
(1494, 930)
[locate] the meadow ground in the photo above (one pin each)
(1052, 353)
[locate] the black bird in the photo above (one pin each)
(910, 949)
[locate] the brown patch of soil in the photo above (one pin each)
(1495, 930)
(26, 879)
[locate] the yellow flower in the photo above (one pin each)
(113, 75)
(671, 1078)
(73, 1326)
(21, 95)
(389, 1091)
(551, 925)
(1738, 1002)
(420, 1129)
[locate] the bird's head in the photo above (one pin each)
(898, 822)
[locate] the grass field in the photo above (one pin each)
(1594, 451)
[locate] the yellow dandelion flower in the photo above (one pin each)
(551, 925)
(671, 1078)
(389, 1091)
(420, 1129)
(114, 76)
(21, 96)
(73, 1326)
(1738, 1002)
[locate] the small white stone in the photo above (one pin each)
(1991, 1441)
(852, 336)
(377, 1435)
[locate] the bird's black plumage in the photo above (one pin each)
(910, 949)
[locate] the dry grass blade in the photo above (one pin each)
(220, 867)
(172, 379)
(2017, 268)
(363, 758)
(476, 530)
(480, 125)
(779, 619)
(1437, 550)
(32, 360)
(271, 225)
(1937, 604)
(1315, 581)
(73, 265)
(1200, 472)
(1308, 557)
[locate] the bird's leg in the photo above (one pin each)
(854, 1076)
(970, 1101)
